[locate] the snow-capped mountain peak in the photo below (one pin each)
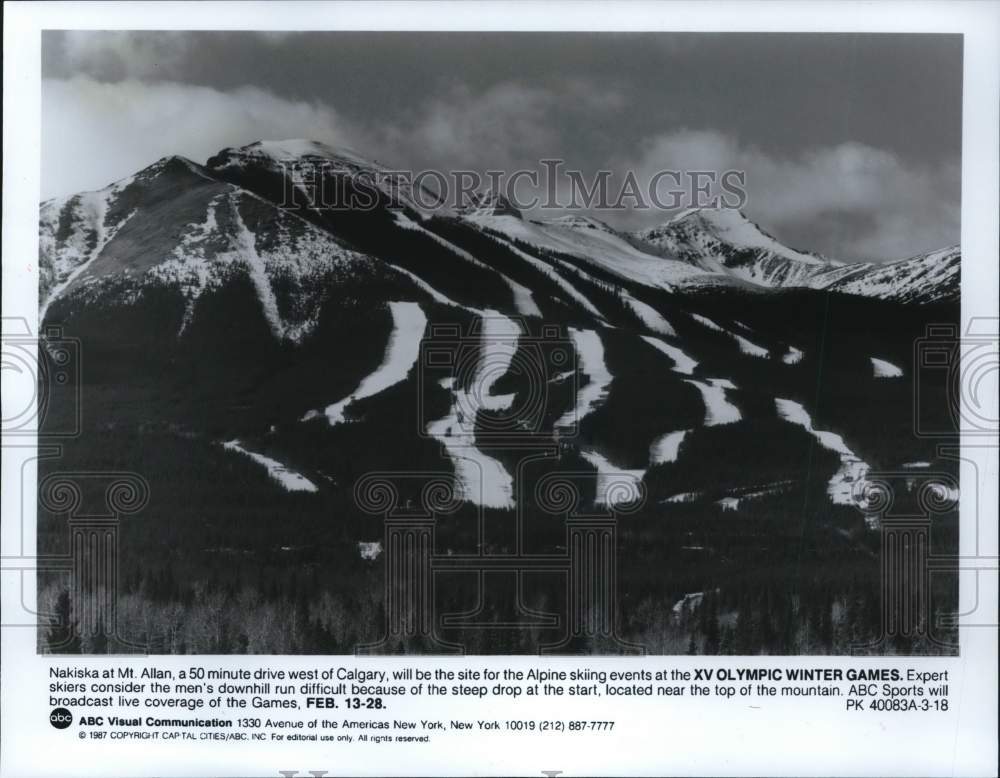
(732, 226)
(724, 240)
(307, 163)
(173, 225)
(930, 277)
(292, 151)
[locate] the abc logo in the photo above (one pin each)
(60, 718)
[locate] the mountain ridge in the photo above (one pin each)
(257, 361)
(696, 248)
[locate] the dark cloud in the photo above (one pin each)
(851, 142)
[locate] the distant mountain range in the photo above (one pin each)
(697, 247)
(254, 356)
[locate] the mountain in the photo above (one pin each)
(576, 238)
(256, 353)
(174, 225)
(313, 169)
(931, 277)
(725, 241)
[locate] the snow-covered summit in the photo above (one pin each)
(292, 150)
(174, 225)
(727, 226)
(293, 158)
(724, 240)
(930, 277)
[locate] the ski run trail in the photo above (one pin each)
(289, 479)
(852, 470)
(408, 325)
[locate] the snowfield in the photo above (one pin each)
(435, 295)
(649, 316)
(885, 369)
(666, 447)
(481, 479)
(289, 479)
(594, 242)
(923, 278)
(275, 247)
(69, 258)
(408, 325)
(725, 242)
(571, 291)
(615, 485)
(683, 497)
(718, 409)
(282, 156)
(751, 349)
(707, 322)
(852, 470)
(590, 352)
(746, 347)
(793, 356)
(682, 362)
(524, 301)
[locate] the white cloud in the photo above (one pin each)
(507, 126)
(94, 133)
(850, 200)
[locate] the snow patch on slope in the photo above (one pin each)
(924, 278)
(524, 301)
(885, 369)
(481, 479)
(67, 259)
(435, 295)
(408, 325)
(600, 247)
(615, 485)
(682, 362)
(718, 409)
(289, 479)
(649, 316)
(290, 248)
(852, 470)
(793, 356)
(666, 447)
(746, 347)
(591, 395)
(571, 291)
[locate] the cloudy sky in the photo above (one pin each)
(851, 143)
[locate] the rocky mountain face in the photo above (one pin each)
(727, 242)
(256, 351)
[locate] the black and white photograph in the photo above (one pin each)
(419, 387)
(499, 343)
